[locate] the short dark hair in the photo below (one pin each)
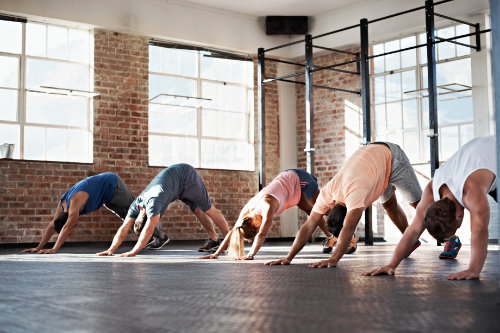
(439, 219)
(60, 221)
(335, 220)
(140, 222)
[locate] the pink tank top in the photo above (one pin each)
(285, 187)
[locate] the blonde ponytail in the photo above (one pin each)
(236, 247)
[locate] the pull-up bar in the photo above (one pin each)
(358, 92)
(297, 64)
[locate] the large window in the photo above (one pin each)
(218, 135)
(403, 118)
(52, 127)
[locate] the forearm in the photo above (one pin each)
(65, 232)
(257, 243)
(301, 239)
(118, 239)
(410, 237)
(479, 249)
(47, 234)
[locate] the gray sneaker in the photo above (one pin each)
(160, 242)
(210, 245)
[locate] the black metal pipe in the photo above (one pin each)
(400, 50)
(336, 65)
(261, 116)
(334, 50)
(478, 37)
(284, 62)
(284, 77)
(323, 87)
(309, 106)
(463, 36)
(441, 2)
(454, 19)
(336, 31)
(297, 64)
(458, 43)
(397, 14)
(284, 45)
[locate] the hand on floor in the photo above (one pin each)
(464, 275)
(50, 251)
(324, 263)
(105, 253)
(247, 257)
(279, 262)
(127, 254)
(210, 256)
(381, 270)
(31, 250)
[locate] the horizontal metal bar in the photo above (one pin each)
(283, 77)
(397, 14)
(285, 62)
(335, 50)
(336, 31)
(285, 45)
(328, 67)
(454, 19)
(294, 63)
(458, 43)
(463, 36)
(329, 88)
(401, 50)
(441, 2)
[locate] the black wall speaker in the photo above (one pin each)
(286, 25)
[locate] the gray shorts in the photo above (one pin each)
(195, 193)
(402, 177)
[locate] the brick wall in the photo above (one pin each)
(30, 190)
(334, 134)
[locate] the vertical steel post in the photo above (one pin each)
(261, 116)
(495, 37)
(365, 100)
(432, 86)
(309, 106)
(477, 28)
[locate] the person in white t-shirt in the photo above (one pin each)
(464, 181)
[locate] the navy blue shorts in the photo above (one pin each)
(195, 193)
(308, 183)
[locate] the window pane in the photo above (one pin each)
(240, 155)
(10, 37)
(410, 115)
(238, 99)
(458, 71)
(9, 72)
(170, 61)
(466, 134)
(207, 65)
(427, 147)
(408, 58)
(219, 94)
(224, 154)
(238, 126)
(10, 134)
(223, 124)
(392, 61)
(189, 151)
(455, 111)
(412, 146)
(57, 43)
(187, 62)
(78, 146)
(446, 50)
(208, 154)
(171, 85)
(172, 120)
(170, 150)
(222, 70)
(396, 138)
(409, 82)
(423, 50)
(379, 89)
(155, 150)
(79, 45)
(8, 105)
(378, 63)
(42, 109)
(34, 143)
(209, 123)
(36, 40)
(393, 87)
(463, 30)
(55, 74)
(154, 58)
(55, 144)
(239, 71)
(449, 141)
(380, 118)
(394, 117)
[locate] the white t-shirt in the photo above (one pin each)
(479, 153)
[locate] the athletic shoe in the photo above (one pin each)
(451, 249)
(417, 244)
(353, 246)
(328, 244)
(151, 242)
(160, 242)
(210, 245)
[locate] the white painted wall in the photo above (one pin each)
(288, 142)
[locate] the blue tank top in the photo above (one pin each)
(100, 189)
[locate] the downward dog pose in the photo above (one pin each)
(462, 182)
(179, 181)
(294, 187)
(85, 197)
(373, 171)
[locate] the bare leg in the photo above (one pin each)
(206, 222)
(219, 220)
(307, 206)
(396, 213)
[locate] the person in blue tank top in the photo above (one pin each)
(85, 197)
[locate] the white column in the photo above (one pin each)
(288, 142)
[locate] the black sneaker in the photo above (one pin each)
(151, 242)
(160, 242)
(210, 245)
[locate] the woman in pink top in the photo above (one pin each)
(294, 187)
